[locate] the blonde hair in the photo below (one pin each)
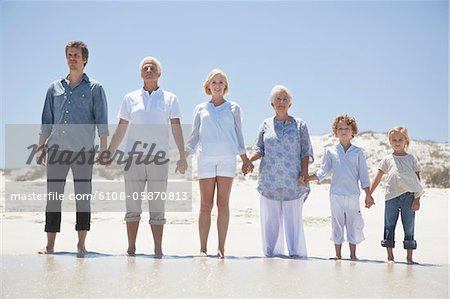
(277, 89)
(402, 130)
(349, 120)
(209, 79)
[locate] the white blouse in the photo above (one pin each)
(401, 175)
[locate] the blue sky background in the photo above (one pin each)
(386, 63)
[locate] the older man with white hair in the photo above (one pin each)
(147, 113)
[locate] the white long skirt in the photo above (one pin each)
(274, 215)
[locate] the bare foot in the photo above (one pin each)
(411, 262)
(131, 251)
(354, 258)
(203, 254)
(46, 250)
(336, 258)
(390, 258)
(220, 255)
(81, 251)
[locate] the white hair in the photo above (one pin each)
(150, 58)
(279, 88)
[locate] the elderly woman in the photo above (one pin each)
(217, 134)
(285, 150)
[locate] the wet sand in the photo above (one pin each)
(101, 275)
(105, 272)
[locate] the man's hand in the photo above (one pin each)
(40, 156)
(104, 158)
(182, 166)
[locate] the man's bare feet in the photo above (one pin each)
(354, 258)
(203, 254)
(81, 250)
(158, 254)
(220, 255)
(411, 262)
(336, 258)
(131, 251)
(46, 250)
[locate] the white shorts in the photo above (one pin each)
(345, 213)
(212, 166)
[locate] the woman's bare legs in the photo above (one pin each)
(207, 188)
(223, 218)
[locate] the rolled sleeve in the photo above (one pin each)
(175, 111)
(306, 149)
(325, 167)
(363, 172)
(238, 129)
(124, 110)
(193, 140)
(47, 118)
(100, 110)
(258, 147)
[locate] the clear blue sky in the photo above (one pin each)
(384, 62)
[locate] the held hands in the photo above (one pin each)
(416, 204)
(303, 178)
(182, 166)
(247, 167)
(104, 158)
(369, 201)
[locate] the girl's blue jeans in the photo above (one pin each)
(399, 205)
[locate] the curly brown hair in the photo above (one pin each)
(349, 120)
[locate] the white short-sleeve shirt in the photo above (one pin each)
(148, 117)
(401, 175)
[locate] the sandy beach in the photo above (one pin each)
(245, 272)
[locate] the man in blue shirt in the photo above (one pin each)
(73, 107)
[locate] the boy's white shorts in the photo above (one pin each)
(345, 212)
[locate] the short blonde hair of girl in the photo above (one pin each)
(349, 120)
(209, 79)
(402, 130)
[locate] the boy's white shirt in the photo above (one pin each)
(349, 167)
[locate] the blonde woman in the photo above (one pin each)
(217, 136)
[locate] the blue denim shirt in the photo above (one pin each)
(282, 145)
(70, 115)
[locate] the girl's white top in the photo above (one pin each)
(401, 175)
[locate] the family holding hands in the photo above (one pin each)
(283, 145)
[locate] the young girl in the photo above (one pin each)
(403, 191)
(349, 166)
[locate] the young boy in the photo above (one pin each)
(349, 166)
